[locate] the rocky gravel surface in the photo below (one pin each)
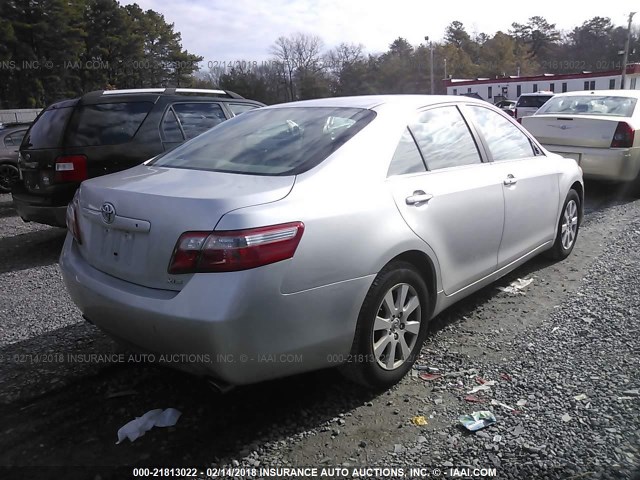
(558, 365)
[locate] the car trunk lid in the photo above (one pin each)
(573, 130)
(130, 221)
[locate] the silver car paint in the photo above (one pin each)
(354, 224)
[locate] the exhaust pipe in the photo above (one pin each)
(219, 386)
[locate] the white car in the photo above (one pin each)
(529, 103)
(598, 129)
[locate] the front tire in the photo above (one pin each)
(391, 327)
(568, 226)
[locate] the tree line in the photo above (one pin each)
(300, 67)
(54, 49)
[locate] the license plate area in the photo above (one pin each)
(117, 246)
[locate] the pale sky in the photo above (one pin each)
(243, 30)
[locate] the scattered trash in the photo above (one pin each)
(480, 380)
(554, 329)
(483, 388)
(521, 403)
(425, 368)
(124, 393)
(153, 418)
(566, 418)
(477, 420)
(580, 397)
(429, 376)
(419, 421)
(475, 399)
(516, 287)
(497, 438)
(503, 405)
(505, 376)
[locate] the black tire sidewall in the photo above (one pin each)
(362, 353)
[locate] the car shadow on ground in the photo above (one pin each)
(7, 209)
(29, 250)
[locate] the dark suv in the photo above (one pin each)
(106, 131)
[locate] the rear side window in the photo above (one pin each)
(14, 139)
(277, 141)
(534, 101)
(106, 123)
(47, 130)
(197, 118)
(238, 108)
(170, 128)
(444, 138)
(407, 158)
(504, 139)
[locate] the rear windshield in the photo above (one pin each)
(281, 141)
(591, 105)
(47, 130)
(535, 101)
(106, 123)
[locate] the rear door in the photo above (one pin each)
(448, 196)
(530, 183)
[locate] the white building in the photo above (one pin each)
(493, 89)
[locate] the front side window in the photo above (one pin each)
(196, 118)
(106, 123)
(238, 108)
(14, 139)
(444, 138)
(407, 158)
(274, 141)
(504, 139)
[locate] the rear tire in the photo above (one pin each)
(391, 328)
(9, 175)
(568, 226)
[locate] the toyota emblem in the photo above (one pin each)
(108, 212)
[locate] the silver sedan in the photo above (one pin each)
(315, 234)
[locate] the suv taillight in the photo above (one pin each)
(71, 168)
(72, 218)
(231, 251)
(623, 137)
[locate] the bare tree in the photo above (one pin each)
(297, 55)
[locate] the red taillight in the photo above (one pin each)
(623, 137)
(231, 251)
(72, 219)
(71, 168)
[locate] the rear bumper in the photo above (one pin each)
(54, 216)
(235, 327)
(616, 164)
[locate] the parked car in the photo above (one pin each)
(10, 137)
(598, 129)
(529, 103)
(107, 131)
(311, 234)
(508, 107)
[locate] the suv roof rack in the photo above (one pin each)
(174, 91)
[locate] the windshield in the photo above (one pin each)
(590, 105)
(279, 141)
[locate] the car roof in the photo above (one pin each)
(372, 101)
(608, 93)
(536, 94)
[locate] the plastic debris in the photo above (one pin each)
(580, 397)
(483, 388)
(153, 418)
(521, 403)
(554, 329)
(505, 376)
(419, 421)
(429, 376)
(477, 420)
(503, 405)
(475, 399)
(516, 287)
(566, 418)
(425, 368)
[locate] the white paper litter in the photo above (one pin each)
(500, 404)
(516, 287)
(483, 388)
(153, 418)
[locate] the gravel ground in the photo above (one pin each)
(564, 358)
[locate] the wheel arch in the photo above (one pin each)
(426, 267)
(579, 188)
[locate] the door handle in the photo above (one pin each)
(510, 180)
(418, 198)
